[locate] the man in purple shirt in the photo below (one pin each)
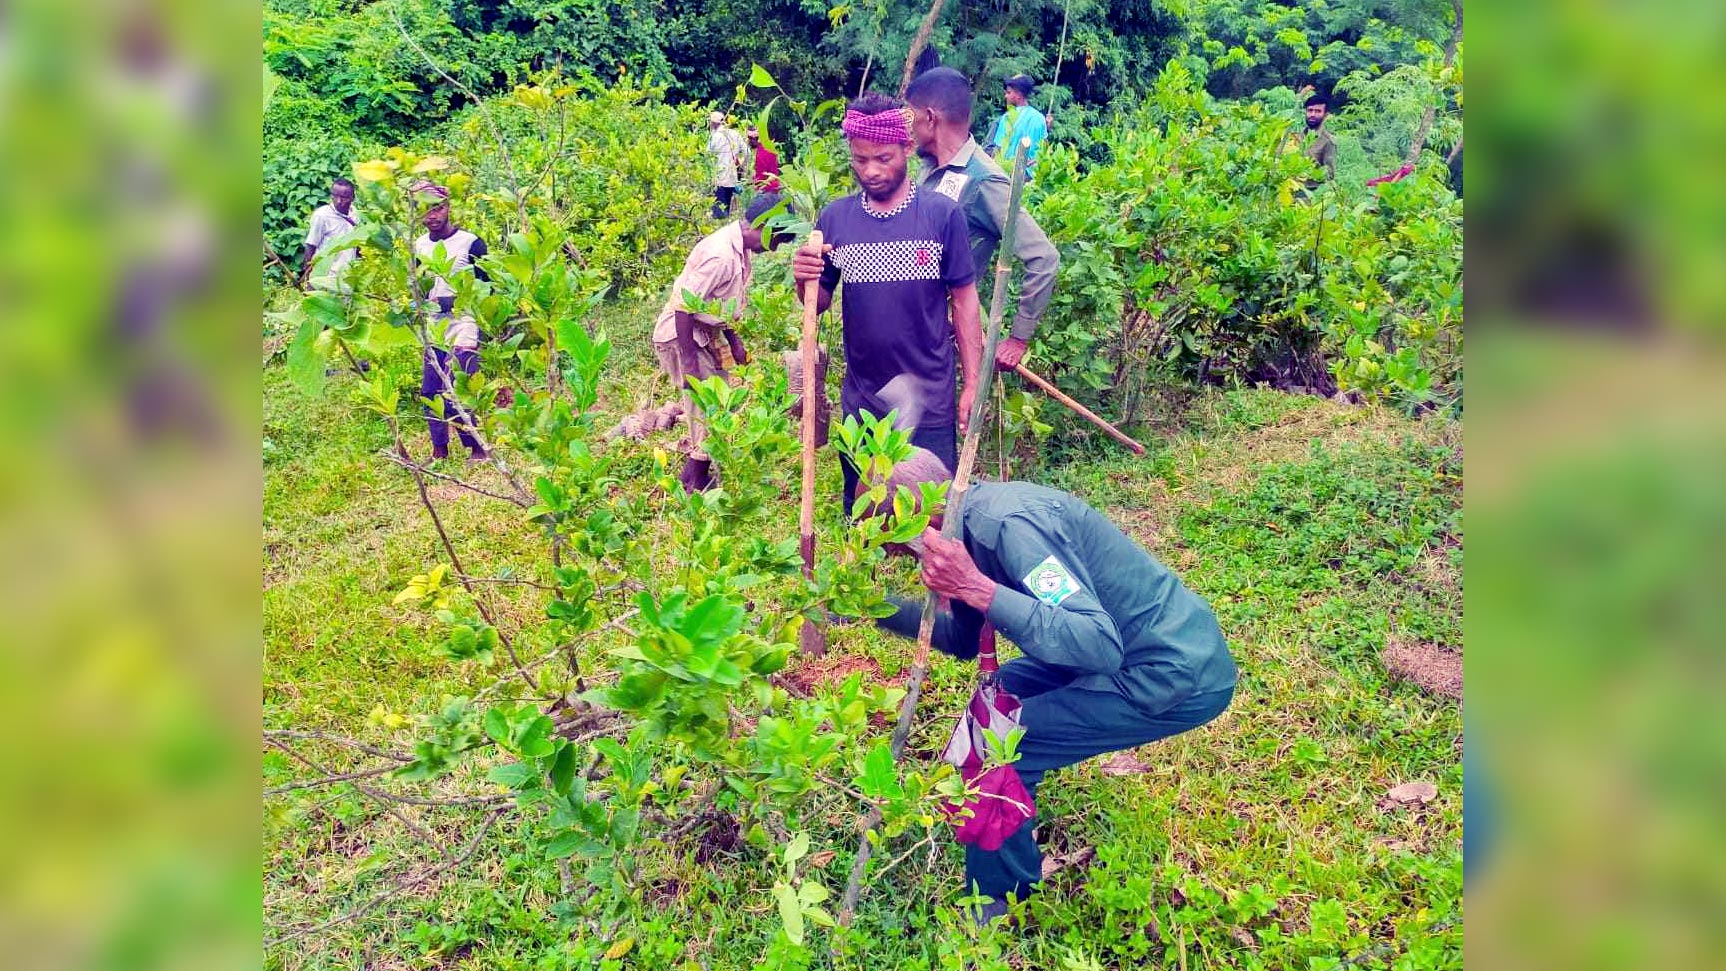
(910, 311)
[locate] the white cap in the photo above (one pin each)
(716, 119)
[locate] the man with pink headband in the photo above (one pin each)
(910, 312)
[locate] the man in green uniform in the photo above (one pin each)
(955, 166)
(1117, 651)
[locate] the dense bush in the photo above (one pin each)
(1195, 252)
(623, 171)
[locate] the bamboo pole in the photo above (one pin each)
(1083, 412)
(813, 637)
(950, 522)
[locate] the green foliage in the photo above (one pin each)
(1252, 46)
(615, 167)
(382, 63)
(1196, 254)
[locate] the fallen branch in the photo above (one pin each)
(352, 743)
(400, 887)
(407, 463)
(376, 795)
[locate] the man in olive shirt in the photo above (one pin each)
(1117, 651)
(956, 167)
(1316, 141)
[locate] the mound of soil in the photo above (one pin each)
(1434, 669)
(809, 673)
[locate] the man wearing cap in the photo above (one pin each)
(726, 146)
(910, 305)
(954, 166)
(1117, 652)
(445, 243)
(1020, 120)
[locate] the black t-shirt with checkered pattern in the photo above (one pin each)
(897, 272)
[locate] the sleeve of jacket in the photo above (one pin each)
(1075, 631)
(956, 633)
(1031, 245)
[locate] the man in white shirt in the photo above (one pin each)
(444, 240)
(330, 221)
(726, 146)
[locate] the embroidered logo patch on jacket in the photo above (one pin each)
(952, 184)
(1051, 582)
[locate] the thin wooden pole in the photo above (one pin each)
(950, 521)
(813, 638)
(1083, 412)
(1062, 56)
(919, 42)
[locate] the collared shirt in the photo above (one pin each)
(1028, 122)
(982, 190)
(726, 145)
(718, 268)
(1075, 592)
(1321, 148)
(329, 223)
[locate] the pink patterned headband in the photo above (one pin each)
(891, 127)
(430, 190)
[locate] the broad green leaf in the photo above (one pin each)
(534, 741)
(790, 911)
(563, 769)
(497, 725)
(878, 779)
(305, 366)
(564, 844)
(758, 77)
(796, 850)
(514, 775)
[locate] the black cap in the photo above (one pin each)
(1021, 83)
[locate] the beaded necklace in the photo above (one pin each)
(896, 210)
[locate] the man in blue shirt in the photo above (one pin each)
(1117, 651)
(1020, 120)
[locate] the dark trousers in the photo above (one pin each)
(1064, 726)
(943, 440)
(438, 362)
(722, 196)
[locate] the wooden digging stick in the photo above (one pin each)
(950, 522)
(812, 640)
(1083, 412)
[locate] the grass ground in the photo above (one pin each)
(1266, 839)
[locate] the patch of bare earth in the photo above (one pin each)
(1434, 669)
(814, 672)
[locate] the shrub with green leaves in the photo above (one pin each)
(1196, 252)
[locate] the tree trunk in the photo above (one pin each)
(1419, 142)
(922, 40)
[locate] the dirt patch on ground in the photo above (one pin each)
(809, 674)
(1434, 669)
